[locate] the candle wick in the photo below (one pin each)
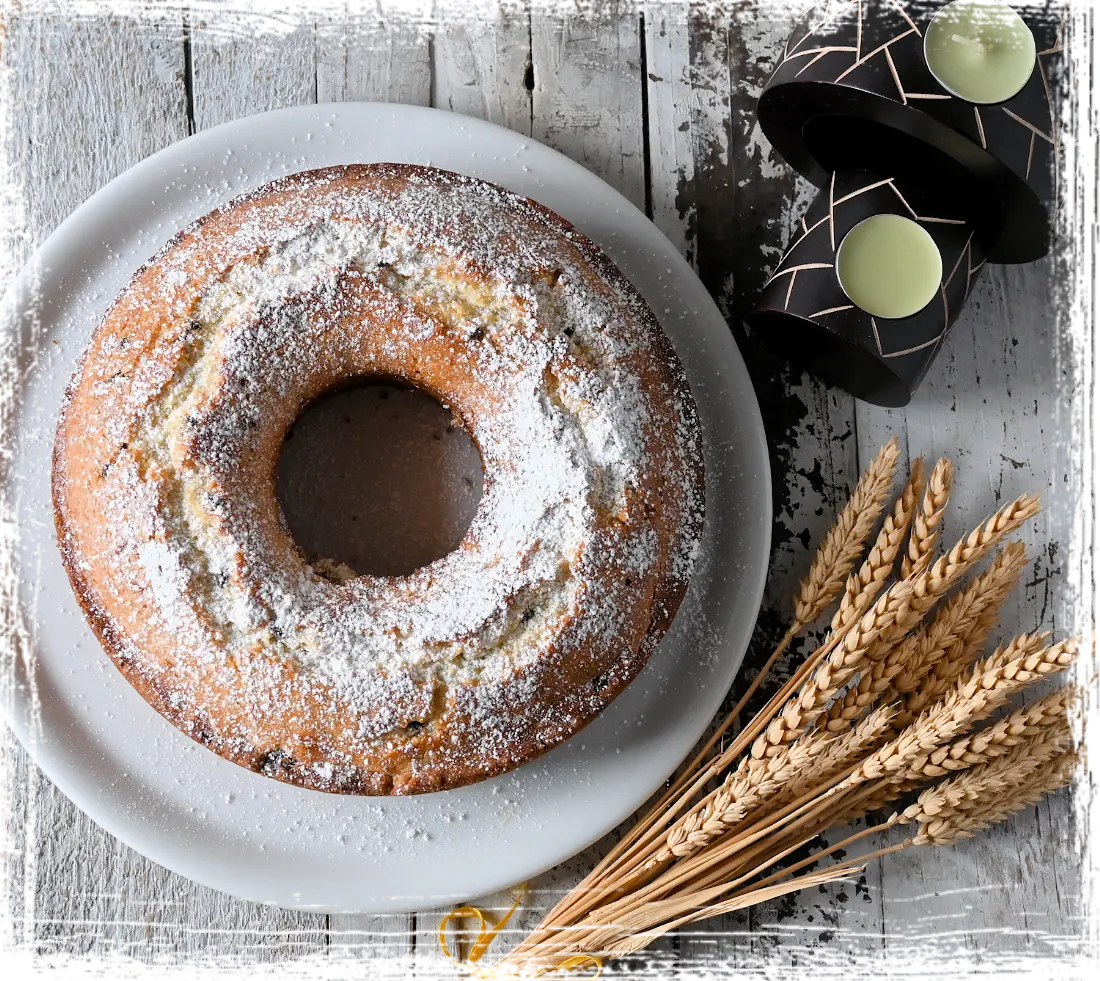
(972, 42)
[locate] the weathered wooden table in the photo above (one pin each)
(659, 101)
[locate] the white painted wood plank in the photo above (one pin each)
(374, 939)
(673, 105)
(987, 404)
(711, 177)
(88, 99)
(374, 54)
(482, 65)
(539, 76)
(88, 90)
(588, 94)
(248, 63)
(428, 956)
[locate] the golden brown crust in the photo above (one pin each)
(304, 729)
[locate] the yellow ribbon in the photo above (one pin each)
(486, 936)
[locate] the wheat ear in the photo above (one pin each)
(833, 672)
(892, 616)
(986, 688)
(845, 542)
(809, 762)
(954, 824)
(975, 789)
(1046, 720)
(962, 622)
(942, 574)
(863, 586)
(840, 753)
(926, 524)
(739, 793)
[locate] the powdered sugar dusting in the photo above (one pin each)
(586, 434)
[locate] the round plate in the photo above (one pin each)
(185, 807)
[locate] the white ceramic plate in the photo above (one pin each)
(224, 826)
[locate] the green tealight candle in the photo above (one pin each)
(980, 50)
(889, 266)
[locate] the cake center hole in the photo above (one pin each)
(378, 478)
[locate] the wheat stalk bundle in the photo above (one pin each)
(890, 705)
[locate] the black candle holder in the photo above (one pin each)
(804, 314)
(853, 91)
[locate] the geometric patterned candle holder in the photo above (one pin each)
(853, 90)
(804, 314)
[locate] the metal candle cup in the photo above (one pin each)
(853, 90)
(805, 314)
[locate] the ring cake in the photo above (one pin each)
(294, 666)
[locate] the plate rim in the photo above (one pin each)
(57, 764)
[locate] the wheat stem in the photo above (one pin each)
(659, 815)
